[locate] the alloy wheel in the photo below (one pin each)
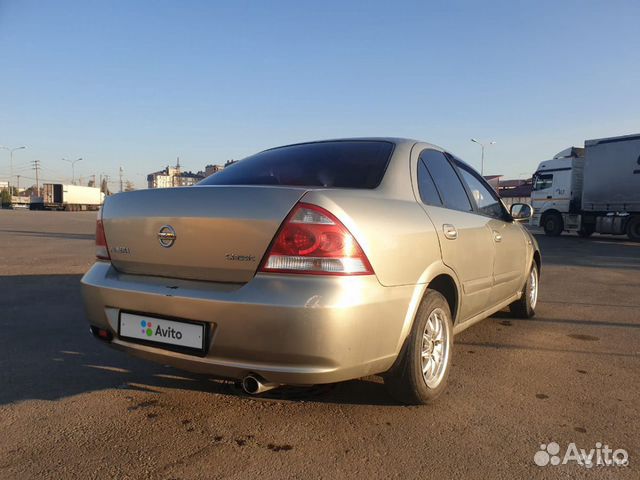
(435, 348)
(533, 288)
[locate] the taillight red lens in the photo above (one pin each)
(311, 240)
(102, 251)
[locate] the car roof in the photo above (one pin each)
(398, 141)
(394, 140)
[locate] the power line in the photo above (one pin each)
(43, 180)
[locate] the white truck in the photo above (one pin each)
(57, 196)
(590, 189)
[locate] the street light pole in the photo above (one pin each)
(11, 150)
(482, 145)
(73, 169)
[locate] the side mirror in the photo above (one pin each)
(521, 212)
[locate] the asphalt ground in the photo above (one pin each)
(72, 408)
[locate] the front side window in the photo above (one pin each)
(446, 180)
(542, 181)
(486, 199)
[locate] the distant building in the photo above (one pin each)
(186, 179)
(211, 169)
(511, 191)
(515, 191)
(493, 180)
(173, 177)
(162, 179)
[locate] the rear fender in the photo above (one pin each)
(434, 270)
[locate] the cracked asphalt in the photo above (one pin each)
(72, 408)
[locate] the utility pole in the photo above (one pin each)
(36, 167)
(121, 178)
(18, 192)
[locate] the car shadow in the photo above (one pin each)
(47, 353)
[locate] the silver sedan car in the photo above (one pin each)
(312, 263)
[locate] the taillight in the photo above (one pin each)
(313, 241)
(102, 251)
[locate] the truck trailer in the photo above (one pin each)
(57, 196)
(595, 189)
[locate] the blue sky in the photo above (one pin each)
(137, 83)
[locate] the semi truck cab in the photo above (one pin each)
(595, 189)
(557, 191)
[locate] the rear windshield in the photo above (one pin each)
(344, 164)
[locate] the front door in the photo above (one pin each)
(510, 242)
(509, 266)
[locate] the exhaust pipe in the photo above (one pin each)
(253, 385)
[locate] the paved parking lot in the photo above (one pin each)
(70, 407)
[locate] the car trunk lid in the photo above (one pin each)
(211, 233)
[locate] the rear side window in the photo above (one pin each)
(344, 164)
(428, 192)
(447, 181)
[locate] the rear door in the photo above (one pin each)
(511, 256)
(465, 238)
(57, 193)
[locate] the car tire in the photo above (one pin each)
(633, 229)
(420, 374)
(553, 224)
(586, 231)
(526, 306)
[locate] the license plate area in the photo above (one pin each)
(162, 332)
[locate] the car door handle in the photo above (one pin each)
(497, 237)
(450, 231)
(549, 196)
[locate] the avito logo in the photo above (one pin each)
(147, 329)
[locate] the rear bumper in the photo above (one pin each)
(289, 329)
